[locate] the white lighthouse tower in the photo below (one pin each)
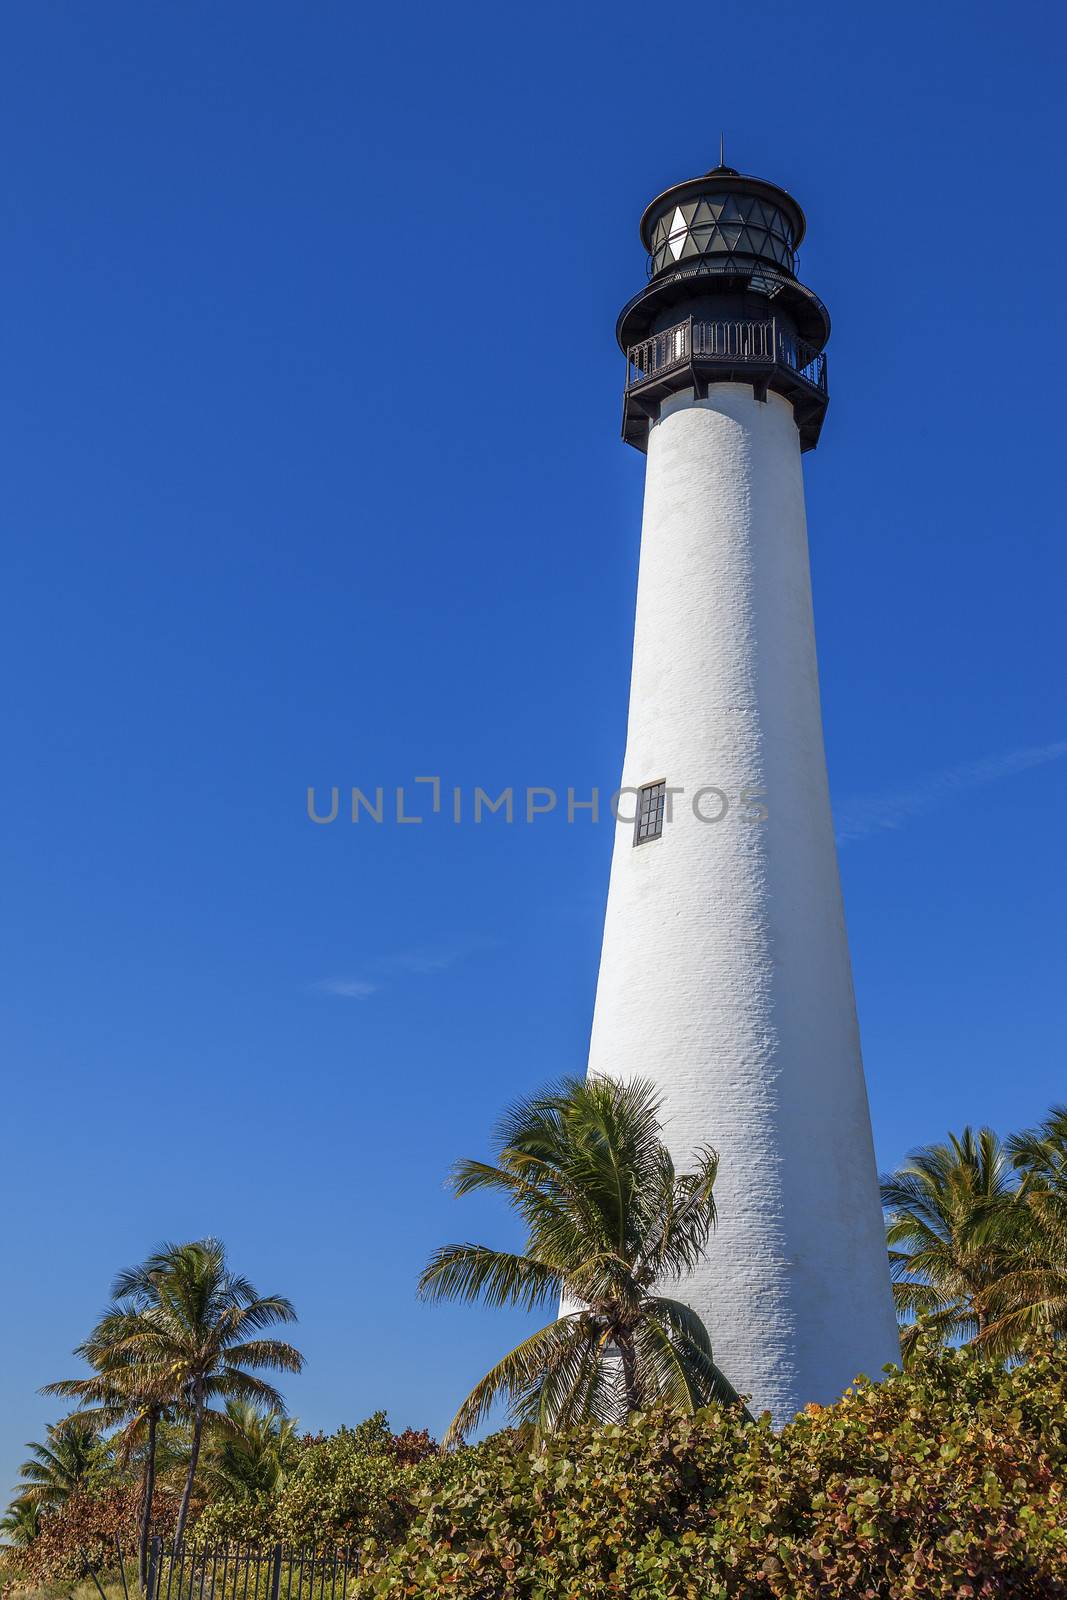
(725, 973)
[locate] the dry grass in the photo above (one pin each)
(68, 1589)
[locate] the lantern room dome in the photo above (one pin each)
(723, 303)
(719, 215)
(717, 237)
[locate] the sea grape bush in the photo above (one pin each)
(344, 1489)
(84, 1532)
(357, 1484)
(948, 1480)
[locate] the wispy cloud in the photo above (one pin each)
(420, 962)
(347, 988)
(438, 958)
(863, 815)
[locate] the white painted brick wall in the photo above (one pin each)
(725, 971)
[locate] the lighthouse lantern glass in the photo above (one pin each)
(722, 224)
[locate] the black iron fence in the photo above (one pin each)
(733, 343)
(249, 1572)
(236, 1571)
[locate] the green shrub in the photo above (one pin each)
(360, 1483)
(949, 1480)
(343, 1493)
(224, 1519)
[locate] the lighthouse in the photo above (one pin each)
(724, 974)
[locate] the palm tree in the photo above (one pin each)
(62, 1465)
(607, 1219)
(1029, 1303)
(126, 1395)
(185, 1318)
(252, 1459)
(952, 1227)
(21, 1523)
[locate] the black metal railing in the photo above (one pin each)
(732, 343)
(807, 362)
(239, 1571)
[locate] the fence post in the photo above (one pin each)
(276, 1573)
(153, 1567)
(90, 1572)
(122, 1566)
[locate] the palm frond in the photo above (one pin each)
(608, 1216)
(691, 1346)
(513, 1376)
(274, 1354)
(231, 1383)
(472, 1272)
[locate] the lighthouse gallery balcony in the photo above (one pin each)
(692, 354)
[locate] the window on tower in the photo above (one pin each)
(651, 804)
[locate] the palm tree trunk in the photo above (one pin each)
(625, 1345)
(146, 1508)
(194, 1456)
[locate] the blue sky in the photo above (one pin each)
(310, 411)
